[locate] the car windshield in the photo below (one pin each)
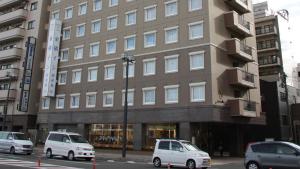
(190, 147)
(20, 136)
(78, 139)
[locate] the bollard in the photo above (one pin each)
(94, 163)
(39, 162)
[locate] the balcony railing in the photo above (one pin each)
(238, 24)
(268, 45)
(240, 78)
(10, 54)
(9, 73)
(12, 34)
(242, 6)
(240, 50)
(8, 3)
(243, 108)
(13, 17)
(266, 31)
(4, 94)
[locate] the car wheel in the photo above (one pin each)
(191, 164)
(71, 156)
(49, 153)
(12, 150)
(252, 165)
(88, 159)
(156, 162)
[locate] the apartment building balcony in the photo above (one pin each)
(238, 24)
(9, 73)
(4, 94)
(11, 54)
(9, 3)
(261, 32)
(12, 35)
(240, 78)
(239, 50)
(267, 46)
(243, 108)
(242, 6)
(269, 62)
(13, 17)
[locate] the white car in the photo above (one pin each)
(15, 142)
(179, 153)
(70, 145)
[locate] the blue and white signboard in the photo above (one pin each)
(52, 56)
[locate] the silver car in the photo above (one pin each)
(15, 142)
(273, 154)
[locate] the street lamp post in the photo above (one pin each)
(127, 58)
(6, 103)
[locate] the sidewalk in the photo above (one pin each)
(143, 156)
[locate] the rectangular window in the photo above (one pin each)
(112, 22)
(64, 55)
(76, 76)
(66, 33)
(33, 6)
(131, 18)
(45, 103)
(130, 97)
(74, 100)
(171, 94)
(56, 1)
(130, 70)
(94, 49)
(109, 72)
(171, 64)
(171, 35)
(97, 5)
(111, 46)
(150, 39)
(78, 54)
(150, 13)
(92, 74)
(196, 60)
(31, 25)
(69, 13)
(55, 14)
(82, 8)
(129, 43)
(113, 3)
(197, 92)
(80, 30)
(196, 30)
(149, 66)
(62, 78)
(96, 26)
(171, 8)
(149, 96)
(60, 101)
(108, 98)
(91, 99)
(195, 5)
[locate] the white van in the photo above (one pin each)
(179, 153)
(15, 142)
(70, 145)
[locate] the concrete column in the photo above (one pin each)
(137, 136)
(185, 131)
(81, 129)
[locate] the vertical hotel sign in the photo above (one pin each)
(52, 55)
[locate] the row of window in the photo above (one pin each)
(171, 36)
(149, 68)
(197, 94)
(171, 9)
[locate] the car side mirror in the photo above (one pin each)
(181, 149)
(297, 153)
(10, 138)
(68, 141)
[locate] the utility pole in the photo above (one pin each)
(127, 58)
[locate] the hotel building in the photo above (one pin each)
(195, 74)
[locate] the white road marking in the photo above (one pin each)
(131, 162)
(111, 161)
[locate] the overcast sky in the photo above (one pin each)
(292, 55)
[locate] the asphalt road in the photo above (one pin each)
(8, 161)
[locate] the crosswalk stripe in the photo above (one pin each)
(33, 165)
